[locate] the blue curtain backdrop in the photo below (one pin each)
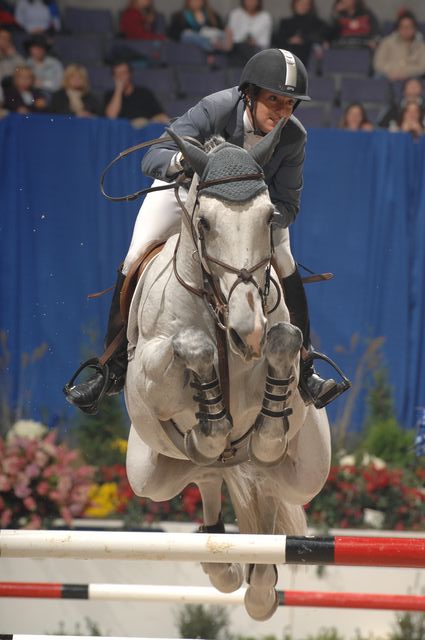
(362, 217)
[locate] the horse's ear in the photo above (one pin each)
(195, 157)
(263, 150)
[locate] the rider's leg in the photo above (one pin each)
(157, 220)
(316, 389)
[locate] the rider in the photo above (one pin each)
(272, 84)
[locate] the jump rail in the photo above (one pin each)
(207, 595)
(260, 549)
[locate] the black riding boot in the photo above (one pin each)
(313, 388)
(107, 379)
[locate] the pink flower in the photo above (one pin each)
(32, 470)
(30, 503)
(42, 488)
(6, 517)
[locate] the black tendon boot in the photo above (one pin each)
(314, 389)
(108, 378)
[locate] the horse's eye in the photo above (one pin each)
(203, 222)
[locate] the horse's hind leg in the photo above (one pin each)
(225, 577)
(206, 441)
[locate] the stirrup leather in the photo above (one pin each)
(103, 369)
(332, 394)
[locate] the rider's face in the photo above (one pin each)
(270, 107)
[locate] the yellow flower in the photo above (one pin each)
(120, 444)
(103, 500)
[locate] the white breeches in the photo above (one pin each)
(159, 218)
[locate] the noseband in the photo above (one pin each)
(216, 302)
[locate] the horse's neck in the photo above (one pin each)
(188, 264)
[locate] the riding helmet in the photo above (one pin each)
(276, 70)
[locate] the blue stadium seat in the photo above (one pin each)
(200, 82)
(176, 107)
(158, 80)
(346, 61)
(151, 50)
(77, 20)
(177, 53)
(312, 115)
(84, 50)
(322, 89)
(100, 78)
(365, 90)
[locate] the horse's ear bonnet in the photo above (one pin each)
(228, 160)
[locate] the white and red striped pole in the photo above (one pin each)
(260, 549)
(207, 595)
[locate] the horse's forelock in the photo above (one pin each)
(213, 142)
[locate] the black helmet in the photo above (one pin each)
(276, 70)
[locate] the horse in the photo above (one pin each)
(200, 417)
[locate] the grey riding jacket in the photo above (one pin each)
(222, 113)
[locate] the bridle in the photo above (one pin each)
(216, 302)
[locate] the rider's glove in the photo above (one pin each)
(281, 219)
(178, 165)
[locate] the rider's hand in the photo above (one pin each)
(280, 220)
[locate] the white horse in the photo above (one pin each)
(206, 290)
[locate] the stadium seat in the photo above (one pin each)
(312, 115)
(151, 51)
(157, 80)
(365, 90)
(100, 78)
(77, 20)
(176, 53)
(322, 89)
(200, 82)
(346, 62)
(176, 107)
(83, 50)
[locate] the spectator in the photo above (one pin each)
(249, 30)
(22, 96)
(353, 25)
(9, 57)
(303, 31)
(401, 55)
(141, 21)
(198, 24)
(38, 16)
(75, 97)
(355, 118)
(412, 92)
(48, 71)
(7, 18)
(138, 104)
(411, 120)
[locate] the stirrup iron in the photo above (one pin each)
(336, 391)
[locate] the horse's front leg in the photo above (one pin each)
(225, 577)
(207, 440)
(268, 442)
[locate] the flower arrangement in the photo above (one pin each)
(40, 479)
(353, 488)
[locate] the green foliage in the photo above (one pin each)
(96, 435)
(409, 626)
(91, 629)
(326, 634)
(379, 400)
(197, 621)
(385, 439)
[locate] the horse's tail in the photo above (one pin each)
(257, 498)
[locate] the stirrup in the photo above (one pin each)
(336, 391)
(103, 369)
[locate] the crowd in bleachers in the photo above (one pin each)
(363, 73)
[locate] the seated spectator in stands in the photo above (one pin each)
(303, 32)
(355, 118)
(249, 30)
(353, 25)
(7, 18)
(401, 55)
(413, 91)
(411, 120)
(38, 16)
(75, 98)
(21, 95)
(137, 104)
(48, 71)
(141, 21)
(9, 57)
(198, 24)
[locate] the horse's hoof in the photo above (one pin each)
(266, 456)
(258, 608)
(191, 447)
(229, 579)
